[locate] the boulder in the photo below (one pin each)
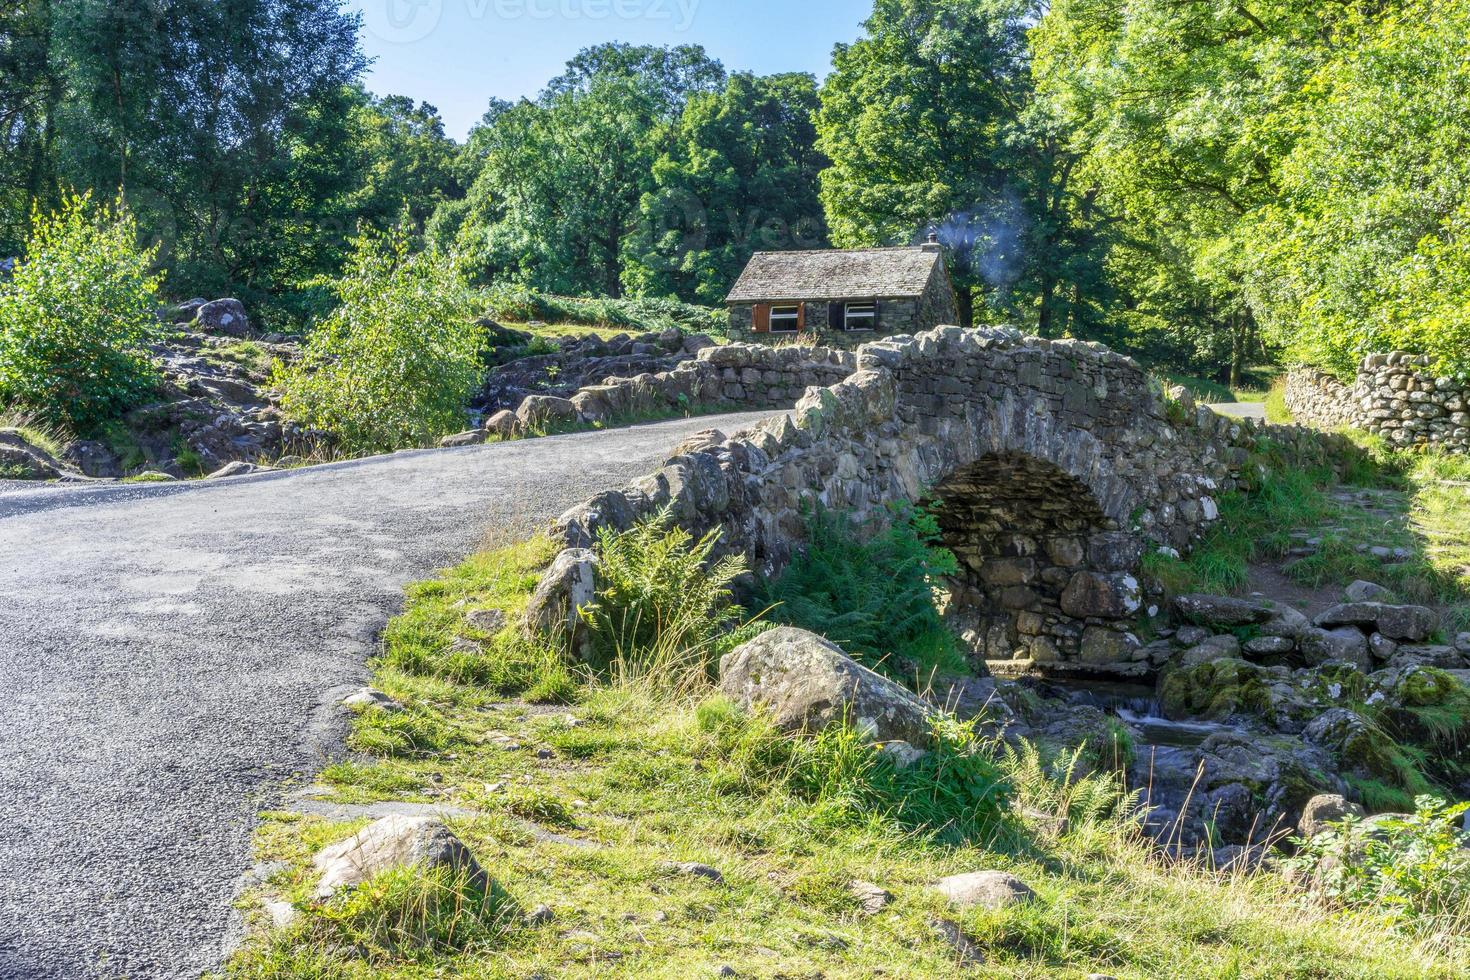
(1413, 623)
(1223, 611)
(807, 683)
(473, 437)
(565, 589)
(1361, 591)
(1345, 643)
(1223, 647)
(1324, 809)
(987, 889)
(392, 842)
(503, 424)
(1101, 646)
(19, 460)
(1442, 657)
(223, 316)
(539, 411)
(93, 458)
(1269, 646)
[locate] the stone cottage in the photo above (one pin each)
(847, 297)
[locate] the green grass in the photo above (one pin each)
(48, 438)
(645, 777)
(1203, 389)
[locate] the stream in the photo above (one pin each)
(1137, 706)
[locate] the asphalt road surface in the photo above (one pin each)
(171, 655)
(1242, 410)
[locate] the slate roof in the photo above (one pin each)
(835, 274)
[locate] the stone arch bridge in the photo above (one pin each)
(1053, 467)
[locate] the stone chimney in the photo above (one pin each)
(932, 244)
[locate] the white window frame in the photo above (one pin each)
(867, 316)
(784, 314)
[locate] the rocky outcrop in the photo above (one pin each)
(1394, 396)
(807, 684)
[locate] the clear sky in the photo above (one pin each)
(457, 54)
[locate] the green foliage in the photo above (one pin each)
(395, 364)
(1414, 870)
(740, 176)
(955, 792)
(76, 317)
(870, 589)
(664, 609)
(414, 914)
(522, 305)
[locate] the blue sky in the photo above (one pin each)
(456, 54)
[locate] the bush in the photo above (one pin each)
(870, 589)
(76, 317)
(395, 364)
(523, 305)
(1415, 869)
(664, 609)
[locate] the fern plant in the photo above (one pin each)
(664, 608)
(870, 588)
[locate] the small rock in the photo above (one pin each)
(965, 949)
(370, 698)
(1382, 647)
(1269, 646)
(1462, 643)
(474, 437)
(545, 754)
(903, 754)
(282, 914)
(543, 410)
(1361, 591)
(392, 842)
(1224, 647)
(692, 869)
(540, 915)
(1346, 643)
(870, 898)
(1323, 809)
(486, 620)
(237, 468)
(726, 971)
(987, 889)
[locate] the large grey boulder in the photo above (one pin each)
(223, 316)
(1414, 623)
(537, 411)
(987, 889)
(808, 683)
(1220, 610)
(392, 842)
(1347, 644)
(565, 589)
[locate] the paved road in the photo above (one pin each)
(1242, 410)
(169, 655)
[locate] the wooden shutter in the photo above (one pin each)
(761, 318)
(836, 316)
(800, 317)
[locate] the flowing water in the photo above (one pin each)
(1137, 706)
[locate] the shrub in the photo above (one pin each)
(1414, 869)
(870, 589)
(395, 364)
(664, 608)
(522, 305)
(76, 317)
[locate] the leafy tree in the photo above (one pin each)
(674, 73)
(914, 119)
(395, 363)
(740, 175)
(77, 315)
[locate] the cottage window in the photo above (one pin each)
(785, 319)
(860, 316)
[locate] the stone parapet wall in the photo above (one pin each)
(1053, 467)
(1395, 396)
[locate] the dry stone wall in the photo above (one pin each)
(1395, 396)
(1052, 465)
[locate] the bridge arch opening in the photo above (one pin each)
(1044, 573)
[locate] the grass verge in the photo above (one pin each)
(632, 779)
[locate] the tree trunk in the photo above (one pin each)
(965, 302)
